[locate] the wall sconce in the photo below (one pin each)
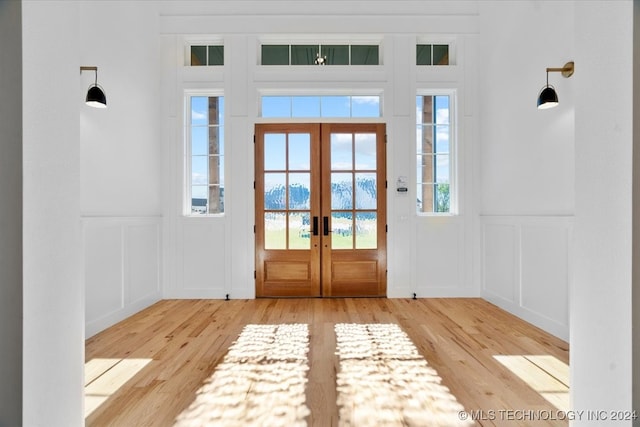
(548, 98)
(95, 94)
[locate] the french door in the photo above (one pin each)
(320, 195)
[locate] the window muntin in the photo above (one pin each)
(432, 54)
(207, 55)
(206, 155)
(434, 160)
(333, 106)
(306, 54)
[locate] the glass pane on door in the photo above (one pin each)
(366, 230)
(354, 189)
(275, 152)
(366, 191)
(275, 230)
(341, 230)
(299, 230)
(341, 191)
(365, 149)
(287, 190)
(341, 151)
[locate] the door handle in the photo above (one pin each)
(325, 225)
(315, 226)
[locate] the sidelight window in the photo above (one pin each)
(435, 158)
(205, 155)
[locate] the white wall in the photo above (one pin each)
(601, 297)
(53, 334)
(527, 154)
(527, 160)
(11, 213)
(121, 193)
(636, 206)
(210, 257)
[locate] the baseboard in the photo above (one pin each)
(99, 325)
(546, 324)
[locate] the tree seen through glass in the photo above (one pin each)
(206, 127)
(433, 137)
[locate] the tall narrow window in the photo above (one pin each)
(434, 160)
(206, 154)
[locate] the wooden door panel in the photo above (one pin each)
(286, 260)
(355, 274)
(349, 271)
(292, 274)
(289, 271)
(362, 271)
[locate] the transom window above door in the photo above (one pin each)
(332, 106)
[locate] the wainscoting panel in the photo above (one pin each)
(526, 268)
(440, 255)
(121, 268)
(545, 271)
(143, 260)
(203, 259)
(103, 270)
(500, 261)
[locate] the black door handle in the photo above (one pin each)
(315, 225)
(325, 225)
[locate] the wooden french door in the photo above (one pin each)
(320, 195)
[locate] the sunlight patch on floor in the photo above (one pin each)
(260, 382)
(103, 377)
(384, 381)
(544, 373)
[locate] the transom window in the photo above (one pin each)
(207, 55)
(321, 106)
(205, 147)
(329, 54)
(432, 54)
(435, 162)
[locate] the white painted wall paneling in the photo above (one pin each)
(395, 81)
(527, 268)
(122, 268)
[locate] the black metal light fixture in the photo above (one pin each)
(95, 95)
(548, 98)
(320, 60)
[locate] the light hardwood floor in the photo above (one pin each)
(147, 369)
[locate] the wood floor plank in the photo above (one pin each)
(185, 340)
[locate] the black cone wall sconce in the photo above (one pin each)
(95, 95)
(548, 98)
